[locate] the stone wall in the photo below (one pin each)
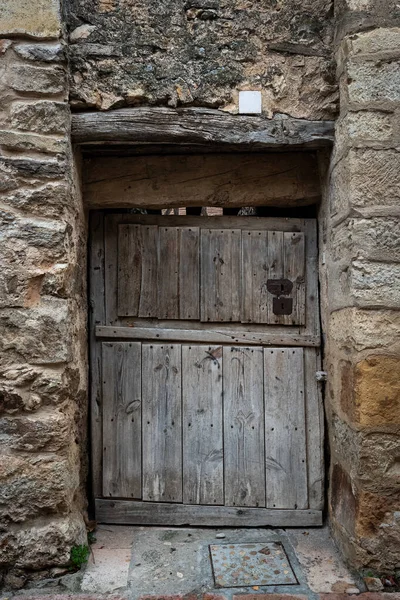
(197, 52)
(360, 266)
(42, 300)
(202, 52)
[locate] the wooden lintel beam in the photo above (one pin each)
(200, 127)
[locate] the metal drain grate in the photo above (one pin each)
(237, 565)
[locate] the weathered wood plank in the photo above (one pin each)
(202, 180)
(294, 265)
(122, 426)
(315, 429)
(126, 512)
(198, 126)
(111, 267)
(129, 269)
(244, 463)
(96, 317)
(162, 422)
(285, 436)
(213, 336)
(189, 273)
(203, 469)
(275, 269)
(168, 273)
(220, 274)
(255, 296)
(312, 292)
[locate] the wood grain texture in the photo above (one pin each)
(125, 512)
(189, 273)
(220, 275)
(255, 296)
(315, 429)
(203, 465)
(202, 180)
(214, 336)
(198, 126)
(275, 269)
(294, 270)
(122, 426)
(111, 267)
(244, 462)
(97, 317)
(162, 422)
(168, 273)
(285, 435)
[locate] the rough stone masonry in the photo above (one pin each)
(104, 54)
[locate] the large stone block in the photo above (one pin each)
(25, 388)
(40, 19)
(41, 432)
(383, 39)
(36, 485)
(375, 239)
(40, 52)
(373, 178)
(31, 141)
(357, 330)
(343, 501)
(40, 335)
(367, 126)
(377, 390)
(52, 200)
(375, 284)
(373, 84)
(40, 117)
(379, 469)
(32, 168)
(42, 545)
(38, 80)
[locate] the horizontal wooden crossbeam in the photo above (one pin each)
(198, 127)
(131, 512)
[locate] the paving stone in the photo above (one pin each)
(269, 597)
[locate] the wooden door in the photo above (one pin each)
(204, 348)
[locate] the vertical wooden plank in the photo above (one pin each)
(294, 266)
(244, 463)
(110, 267)
(275, 268)
(148, 284)
(162, 422)
(255, 296)
(137, 270)
(96, 317)
(168, 273)
(315, 429)
(220, 274)
(203, 470)
(312, 301)
(189, 273)
(129, 269)
(122, 420)
(285, 435)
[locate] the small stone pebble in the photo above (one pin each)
(220, 536)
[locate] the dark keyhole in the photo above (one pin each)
(282, 305)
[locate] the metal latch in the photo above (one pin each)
(321, 375)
